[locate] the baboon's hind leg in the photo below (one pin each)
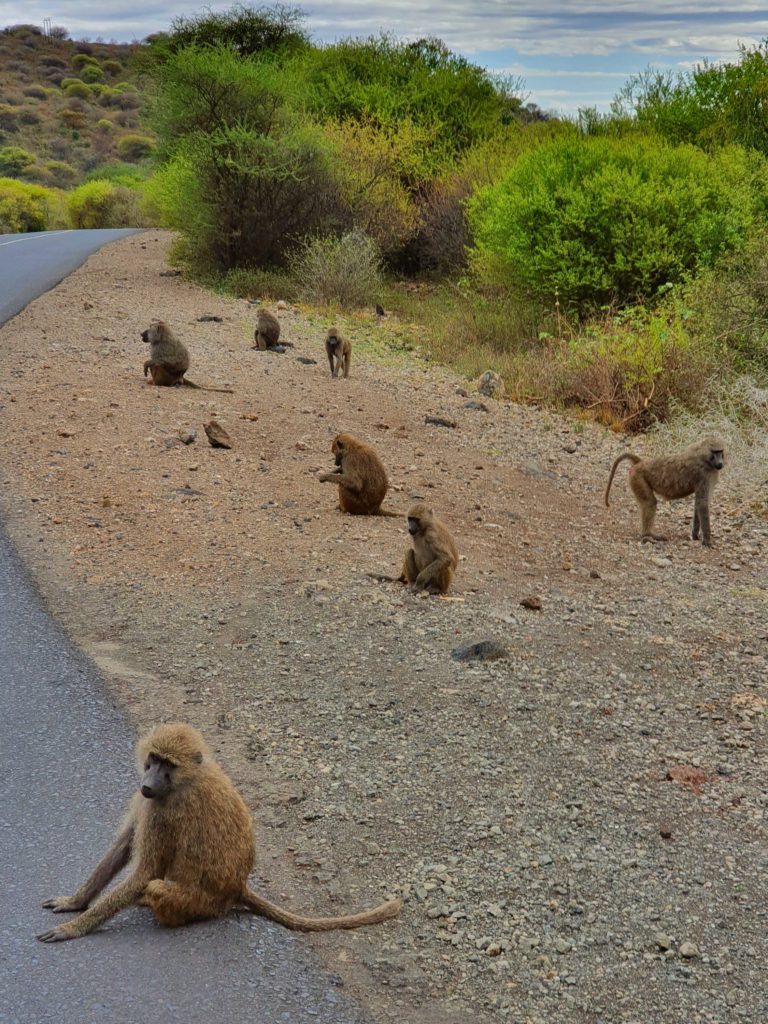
(646, 499)
(173, 905)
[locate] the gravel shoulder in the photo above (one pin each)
(578, 829)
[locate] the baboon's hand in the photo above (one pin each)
(64, 904)
(60, 934)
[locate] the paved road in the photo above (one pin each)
(61, 801)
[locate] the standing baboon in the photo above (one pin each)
(189, 837)
(336, 345)
(169, 359)
(692, 471)
(431, 562)
(267, 333)
(360, 475)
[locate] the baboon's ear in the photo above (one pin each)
(198, 758)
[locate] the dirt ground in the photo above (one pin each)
(578, 829)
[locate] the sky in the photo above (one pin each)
(569, 53)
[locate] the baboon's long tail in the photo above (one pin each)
(258, 905)
(389, 513)
(627, 455)
(202, 387)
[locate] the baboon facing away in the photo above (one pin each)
(267, 333)
(431, 562)
(692, 471)
(338, 348)
(361, 478)
(169, 359)
(189, 839)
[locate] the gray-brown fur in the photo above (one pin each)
(361, 478)
(169, 359)
(339, 352)
(188, 837)
(267, 333)
(694, 471)
(431, 562)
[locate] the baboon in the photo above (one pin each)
(692, 471)
(431, 562)
(361, 477)
(189, 838)
(169, 359)
(336, 345)
(267, 333)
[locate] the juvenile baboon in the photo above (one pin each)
(431, 562)
(169, 359)
(692, 471)
(336, 345)
(267, 333)
(361, 477)
(189, 838)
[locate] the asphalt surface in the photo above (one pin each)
(66, 765)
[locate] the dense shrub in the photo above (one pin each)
(112, 67)
(721, 103)
(246, 31)
(452, 103)
(73, 119)
(134, 147)
(60, 172)
(29, 117)
(612, 220)
(25, 207)
(9, 117)
(75, 88)
(82, 60)
(345, 270)
(92, 73)
(14, 161)
(100, 204)
(36, 92)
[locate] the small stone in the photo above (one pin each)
(210, 318)
(282, 304)
(187, 436)
(306, 360)
(485, 650)
(477, 406)
(688, 950)
(534, 603)
(440, 421)
(217, 435)
(663, 941)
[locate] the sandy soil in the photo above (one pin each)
(579, 829)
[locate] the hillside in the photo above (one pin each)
(67, 108)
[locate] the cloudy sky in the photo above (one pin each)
(570, 53)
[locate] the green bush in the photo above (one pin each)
(105, 125)
(14, 161)
(100, 204)
(603, 220)
(9, 117)
(37, 92)
(25, 207)
(82, 60)
(112, 67)
(76, 89)
(345, 270)
(61, 173)
(92, 73)
(134, 147)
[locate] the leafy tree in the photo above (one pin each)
(612, 220)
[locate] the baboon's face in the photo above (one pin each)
(338, 450)
(716, 458)
(414, 526)
(145, 336)
(157, 780)
(333, 340)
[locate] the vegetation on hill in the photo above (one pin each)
(614, 262)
